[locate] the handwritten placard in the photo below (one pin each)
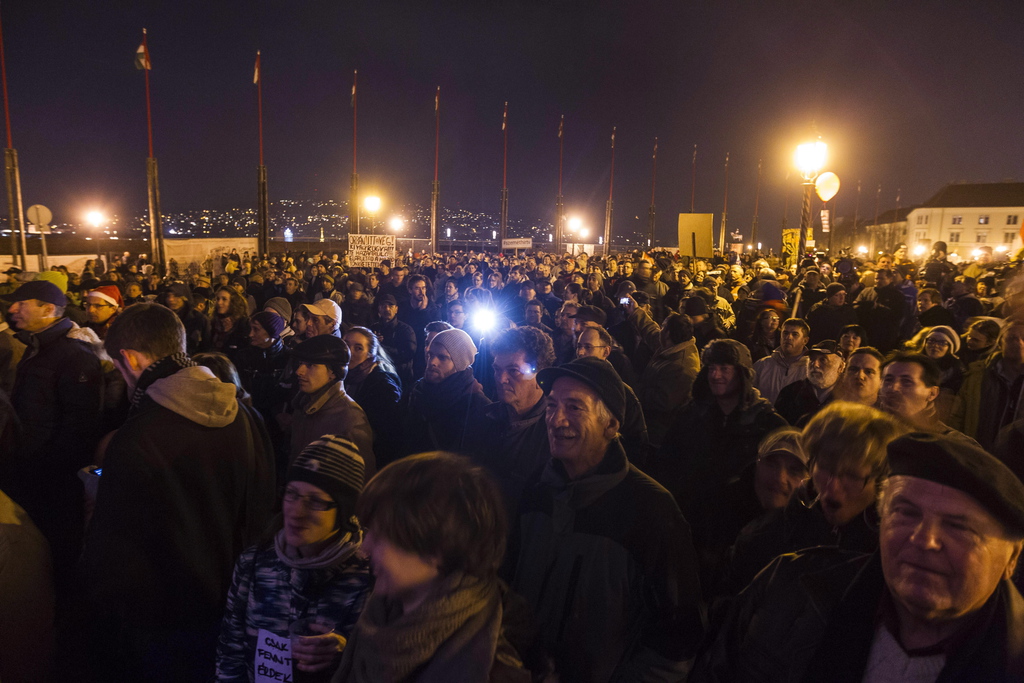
(273, 660)
(367, 251)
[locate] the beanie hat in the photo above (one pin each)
(695, 305)
(771, 292)
(834, 289)
(333, 464)
(459, 345)
(280, 305)
(56, 277)
(109, 293)
(271, 322)
(951, 336)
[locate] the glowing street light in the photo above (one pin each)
(809, 160)
(862, 250)
(372, 205)
(95, 218)
(574, 223)
(920, 249)
(396, 223)
(584, 233)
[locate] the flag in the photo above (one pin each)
(613, 137)
(504, 118)
(256, 72)
(561, 124)
(354, 74)
(695, 155)
(655, 148)
(142, 58)
(437, 100)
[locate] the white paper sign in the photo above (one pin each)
(273, 660)
(367, 251)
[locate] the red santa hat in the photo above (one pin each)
(109, 293)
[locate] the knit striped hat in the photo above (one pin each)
(334, 465)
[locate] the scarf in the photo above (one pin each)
(436, 400)
(452, 636)
(165, 367)
(333, 555)
(358, 373)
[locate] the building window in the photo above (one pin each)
(982, 237)
(957, 220)
(1011, 219)
(1008, 237)
(954, 236)
(926, 220)
(920, 235)
(919, 219)
(982, 220)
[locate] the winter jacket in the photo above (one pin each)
(640, 338)
(332, 411)
(795, 527)
(268, 594)
(666, 385)
(704, 450)
(881, 310)
(197, 325)
(439, 414)
(799, 400)
(379, 394)
(513, 448)
(187, 484)
(827, 320)
(773, 373)
(986, 400)
(58, 397)
(399, 340)
(813, 617)
(607, 563)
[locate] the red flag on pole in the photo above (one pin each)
(256, 72)
(504, 118)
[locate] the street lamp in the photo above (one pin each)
(396, 223)
(372, 204)
(96, 219)
(809, 160)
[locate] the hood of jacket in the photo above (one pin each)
(196, 394)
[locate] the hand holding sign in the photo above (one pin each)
(314, 645)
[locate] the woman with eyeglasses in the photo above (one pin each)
(307, 567)
(942, 344)
(846, 447)
(765, 337)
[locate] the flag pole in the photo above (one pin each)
(156, 233)
(560, 201)
(435, 195)
(608, 206)
(504, 179)
(693, 179)
(757, 198)
(262, 196)
(12, 174)
(651, 214)
(353, 202)
(725, 208)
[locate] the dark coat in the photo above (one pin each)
(812, 617)
(188, 483)
(418, 319)
(379, 394)
(399, 340)
(439, 414)
(607, 563)
(798, 400)
(58, 397)
(827, 320)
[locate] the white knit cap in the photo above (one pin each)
(459, 345)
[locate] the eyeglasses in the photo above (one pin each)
(934, 341)
(98, 306)
(590, 347)
(312, 502)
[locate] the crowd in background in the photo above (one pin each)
(488, 467)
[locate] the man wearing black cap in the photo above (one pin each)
(57, 396)
(798, 401)
(935, 603)
(829, 316)
(600, 551)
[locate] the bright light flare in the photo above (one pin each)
(810, 157)
(862, 250)
(574, 223)
(372, 204)
(1001, 249)
(976, 253)
(396, 223)
(584, 233)
(95, 218)
(485, 320)
(920, 250)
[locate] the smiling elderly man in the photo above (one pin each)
(934, 604)
(600, 551)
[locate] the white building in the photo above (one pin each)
(969, 215)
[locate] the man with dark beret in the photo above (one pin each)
(935, 603)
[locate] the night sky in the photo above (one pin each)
(911, 95)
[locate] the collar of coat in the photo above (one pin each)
(579, 493)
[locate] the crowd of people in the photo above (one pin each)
(474, 467)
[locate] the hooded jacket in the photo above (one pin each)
(666, 385)
(187, 484)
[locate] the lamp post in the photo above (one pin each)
(372, 205)
(810, 158)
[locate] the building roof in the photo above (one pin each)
(977, 194)
(889, 217)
